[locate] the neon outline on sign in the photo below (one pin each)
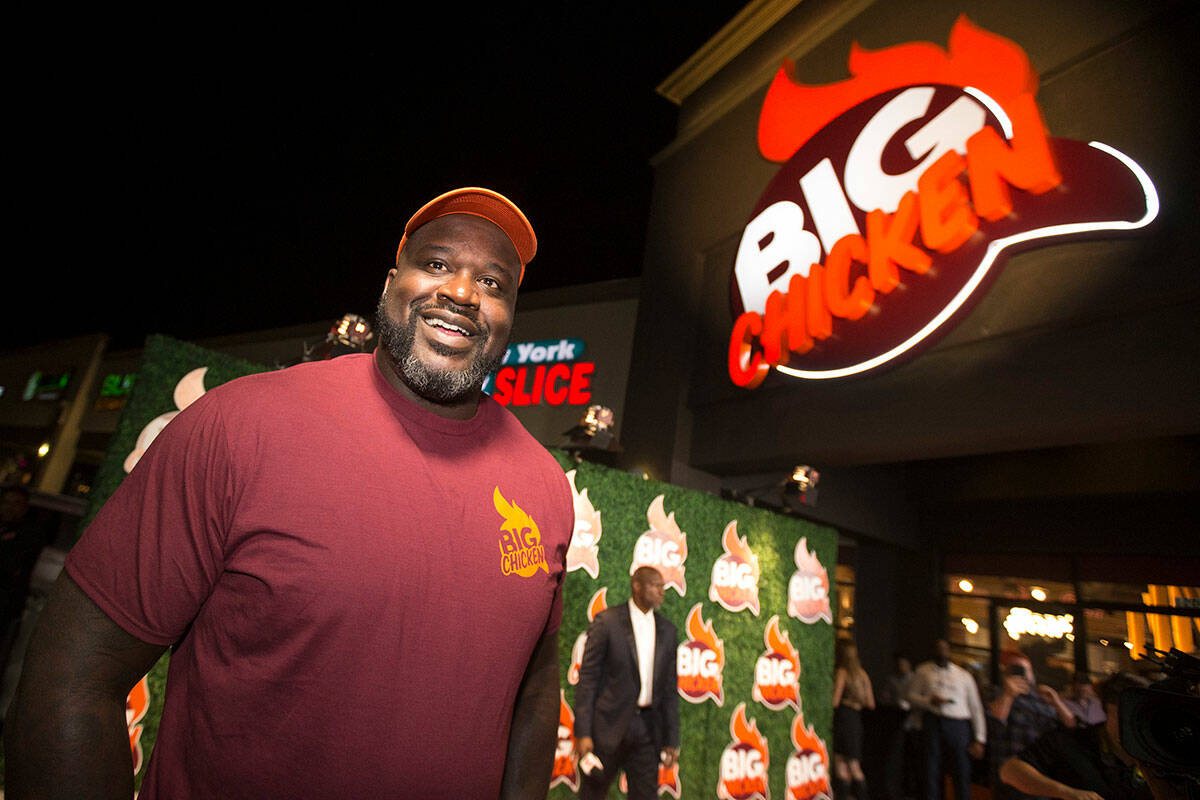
(996, 74)
(993, 251)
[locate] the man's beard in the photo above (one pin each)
(437, 386)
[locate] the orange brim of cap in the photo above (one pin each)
(492, 206)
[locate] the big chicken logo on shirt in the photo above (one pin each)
(901, 188)
(777, 672)
(735, 574)
(700, 661)
(566, 767)
(808, 589)
(584, 550)
(807, 770)
(663, 547)
(745, 761)
(521, 549)
(598, 603)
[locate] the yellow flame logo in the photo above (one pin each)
(521, 550)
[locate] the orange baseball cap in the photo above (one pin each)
(492, 206)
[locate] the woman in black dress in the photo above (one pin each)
(851, 694)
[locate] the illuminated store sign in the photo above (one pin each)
(542, 372)
(901, 190)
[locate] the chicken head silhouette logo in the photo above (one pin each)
(745, 761)
(663, 547)
(777, 673)
(808, 589)
(521, 549)
(807, 770)
(700, 661)
(947, 144)
(735, 574)
(584, 551)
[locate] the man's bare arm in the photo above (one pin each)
(534, 734)
(66, 735)
(1025, 777)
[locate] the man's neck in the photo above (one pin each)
(638, 606)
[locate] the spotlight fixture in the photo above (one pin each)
(593, 432)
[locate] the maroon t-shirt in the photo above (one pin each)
(354, 584)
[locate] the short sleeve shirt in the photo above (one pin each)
(353, 586)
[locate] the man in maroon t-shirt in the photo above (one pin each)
(358, 565)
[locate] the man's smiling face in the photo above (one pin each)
(447, 308)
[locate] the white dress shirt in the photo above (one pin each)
(643, 636)
(957, 687)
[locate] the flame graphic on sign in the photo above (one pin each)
(525, 554)
(584, 551)
(598, 603)
(735, 574)
(694, 686)
(807, 772)
(663, 547)
(793, 111)
(745, 762)
(777, 673)
(566, 766)
(187, 391)
(136, 706)
(808, 589)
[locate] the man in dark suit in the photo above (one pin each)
(627, 703)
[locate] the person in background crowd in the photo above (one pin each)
(851, 695)
(899, 740)
(1022, 711)
(357, 564)
(1083, 701)
(953, 722)
(1088, 763)
(627, 703)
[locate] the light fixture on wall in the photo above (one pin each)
(593, 433)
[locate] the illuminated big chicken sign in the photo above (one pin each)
(901, 188)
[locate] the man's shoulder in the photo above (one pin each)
(662, 620)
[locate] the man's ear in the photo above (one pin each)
(387, 282)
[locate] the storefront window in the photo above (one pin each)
(1101, 627)
(844, 615)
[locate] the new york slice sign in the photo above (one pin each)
(900, 193)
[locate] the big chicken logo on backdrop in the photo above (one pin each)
(808, 588)
(598, 603)
(900, 190)
(777, 672)
(566, 767)
(663, 547)
(700, 661)
(745, 761)
(735, 574)
(807, 770)
(584, 550)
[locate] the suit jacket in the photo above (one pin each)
(609, 681)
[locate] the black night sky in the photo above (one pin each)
(229, 173)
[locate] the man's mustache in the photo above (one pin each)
(454, 308)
